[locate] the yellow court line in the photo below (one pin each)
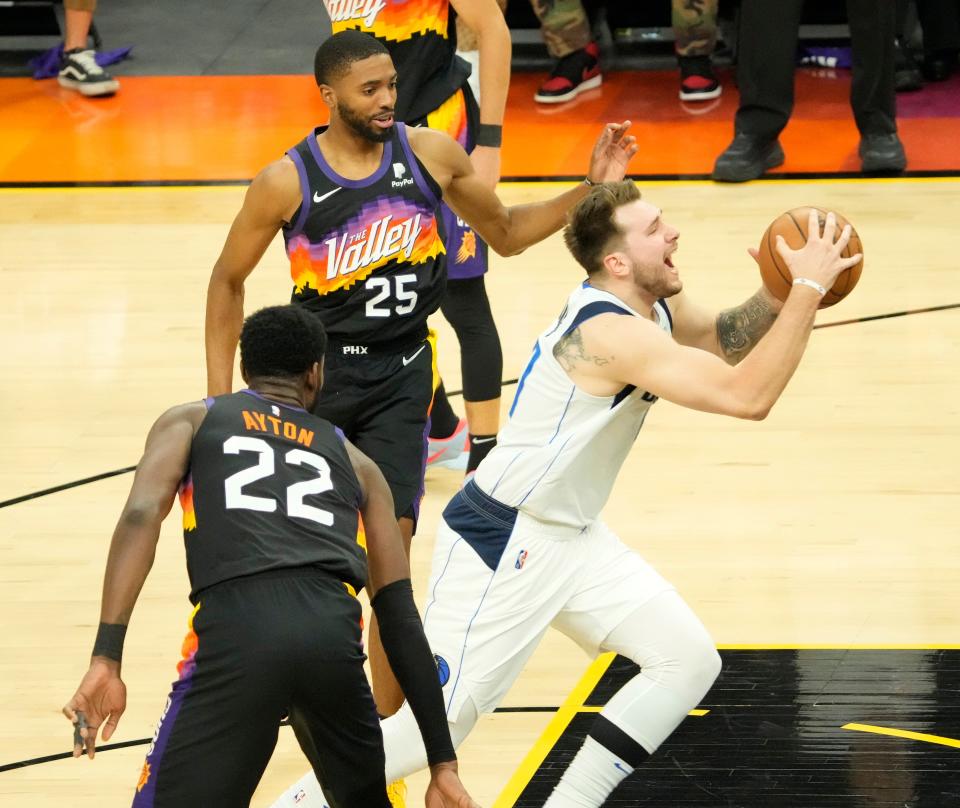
(574, 704)
(903, 733)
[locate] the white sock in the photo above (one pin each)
(594, 773)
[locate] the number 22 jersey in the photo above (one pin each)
(269, 487)
(367, 255)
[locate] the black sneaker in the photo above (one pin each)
(697, 79)
(882, 154)
(747, 158)
(574, 73)
(81, 72)
(906, 71)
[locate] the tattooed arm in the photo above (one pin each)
(739, 329)
(733, 333)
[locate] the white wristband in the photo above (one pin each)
(811, 284)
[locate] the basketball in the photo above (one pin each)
(792, 225)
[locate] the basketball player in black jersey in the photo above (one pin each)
(357, 202)
(270, 495)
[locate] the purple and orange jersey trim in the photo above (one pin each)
(186, 504)
(188, 651)
(392, 20)
(386, 229)
(451, 117)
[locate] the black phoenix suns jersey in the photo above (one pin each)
(367, 255)
(422, 41)
(269, 486)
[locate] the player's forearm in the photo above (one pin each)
(224, 319)
(739, 329)
(132, 551)
(529, 224)
(763, 375)
(411, 660)
(493, 44)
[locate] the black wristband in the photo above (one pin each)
(489, 134)
(109, 642)
(411, 661)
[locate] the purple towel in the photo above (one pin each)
(47, 64)
(824, 56)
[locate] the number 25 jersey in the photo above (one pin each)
(269, 487)
(367, 255)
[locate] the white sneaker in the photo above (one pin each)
(81, 72)
(450, 452)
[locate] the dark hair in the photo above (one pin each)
(336, 54)
(281, 341)
(592, 226)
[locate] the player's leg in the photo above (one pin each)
(220, 723)
(486, 612)
(626, 607)
(332, 709)
(467, 308)
(392, 431)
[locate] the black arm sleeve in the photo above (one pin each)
(411, 660)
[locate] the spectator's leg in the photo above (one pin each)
(78, 15)
(872, 95)
(695, 37)
(765, 66)
(940, 21)
(564, 24)
(566, 30)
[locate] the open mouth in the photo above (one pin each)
(384, 121)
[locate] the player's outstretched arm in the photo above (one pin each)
(622, 350)
(271, 197)
(511, 230)
(401, 631)
(101, 697)
(486, 20)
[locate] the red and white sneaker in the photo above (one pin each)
(447, 452)
(574, 73)
(697, 80)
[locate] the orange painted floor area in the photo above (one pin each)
(228, 127)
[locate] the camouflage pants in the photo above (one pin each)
(566, 28)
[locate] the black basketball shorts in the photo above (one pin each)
(282, 643)
(382, 401)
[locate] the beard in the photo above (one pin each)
(361, 126)
(658, 284)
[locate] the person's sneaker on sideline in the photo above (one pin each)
(747, 158)
(697, 79)
(81, 72)
(574, 73)
(882, 154)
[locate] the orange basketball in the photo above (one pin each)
(792, 225)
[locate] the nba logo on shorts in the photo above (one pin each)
(521, 559)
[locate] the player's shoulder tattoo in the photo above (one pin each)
(569, 352)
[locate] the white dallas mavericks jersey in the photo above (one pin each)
(560, 452)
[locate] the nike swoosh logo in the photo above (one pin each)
(318, 198)
(408, 359)
(478, 441)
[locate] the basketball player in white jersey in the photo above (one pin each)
(522, 547)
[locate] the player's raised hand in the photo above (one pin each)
(612, 153)
(821, 258)
(446, 790)
(101, 697)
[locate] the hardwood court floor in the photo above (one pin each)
(832, 522)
